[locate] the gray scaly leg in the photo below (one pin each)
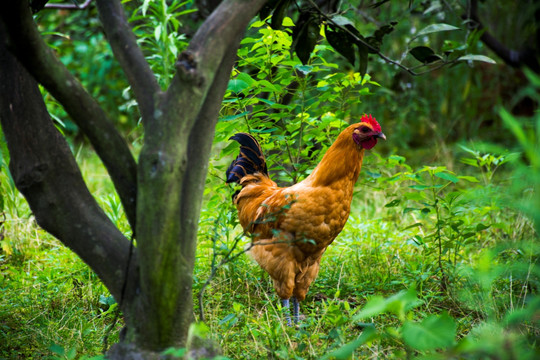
(296, 310)
(285, 305)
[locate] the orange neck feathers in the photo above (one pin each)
(342, 161)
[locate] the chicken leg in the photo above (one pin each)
(296, 310)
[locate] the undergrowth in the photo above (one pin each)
(382, 276)
(437, 260)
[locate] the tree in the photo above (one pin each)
(161, 194)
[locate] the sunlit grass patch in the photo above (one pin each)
(54, 305)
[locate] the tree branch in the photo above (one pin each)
(361, 41)
(27, 45)
(377, 51)
(200, 142)
(46, 173)
(84, 5)
(129, 55)
(514, 58)
(208, 50)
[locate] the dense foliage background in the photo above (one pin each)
(439, 257)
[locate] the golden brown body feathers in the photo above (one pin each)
(293, 226)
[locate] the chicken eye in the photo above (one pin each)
(365, 129)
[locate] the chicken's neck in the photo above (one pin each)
(341, 163)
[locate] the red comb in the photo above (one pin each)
(371, 120)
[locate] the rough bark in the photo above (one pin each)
(172, 170)
(46, 173)
(129, 55)
(179, 129)
(24, 40)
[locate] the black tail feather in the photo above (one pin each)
(249, 161)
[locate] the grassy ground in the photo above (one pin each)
(53, 306)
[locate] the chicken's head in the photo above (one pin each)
(367, 132)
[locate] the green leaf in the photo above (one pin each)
(402, 302)
(266, 101)
(246, 78)
(409, 209)
(469, 178)
(237, 86)
(374, 175)
(57, 349)
(304, 69)
(474, 37)
(198, 329)
(279, 14)
(341, 20)
(70, 355)
(447, 176)
(227, 318)
(287, 21)
(107, 300)
(420, 187)
(435, 28)
(530, 311)
(434, 332)
(482, 58)
(341, 41)
(415, 196)
(481, 227)
(469, 150)
(412, 226)
(264, 131)
(377, 38)
(519, 132)
(363, 53)
(269, 86)
(424, 54)
(157, 33)
(373, 307)
(305, 35)
(450, 45)
(144, 6)
(469, 161)
(393, 203)
(235, 116)
(175, 352)
(347, 350)
(398, 304)
(418, 239)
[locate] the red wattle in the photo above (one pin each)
(369, 143)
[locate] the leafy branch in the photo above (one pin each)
(343, 36)
(360, 40)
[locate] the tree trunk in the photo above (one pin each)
(45, 172)
(153, 282)
(172, 172)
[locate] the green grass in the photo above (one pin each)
(54, 306)
(52, 303)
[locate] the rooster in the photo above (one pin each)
(291, 227)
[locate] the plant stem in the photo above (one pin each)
(444, 280)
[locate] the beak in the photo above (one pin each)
(381, 135)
